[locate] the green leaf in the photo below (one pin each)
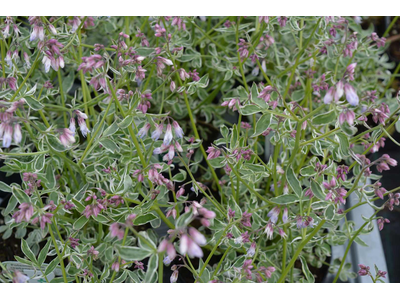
(52, 265)
(109, 144)
(228, 75)
(308, 171)
(23, 261)
(343, 143)
(144, 51)
(285, 199)
(347, 129)
(33, 103)
(126, 122)
(143, 219)
(180, 177)
(254, 97)
(68, 82)
(12, 203)
(317, 190)
(78, 224)
(324, 118)
(329, 212)
(293, 181)
(27, 251)
(39, 162)
(129, 253)
(359, 241)
(21, 196)
(306, 271)
(151, 267)
(43, 253)
(55, 143)
(110, 130)
(262, 124)
(218, 162)
(5, 187)
(298, 95)
(249, 110)
(184, 219)
(51, 179)
(101, 219)
(81, 193)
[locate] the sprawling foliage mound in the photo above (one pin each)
(218, 149)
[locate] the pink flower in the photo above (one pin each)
(246, 219)
(384, 163)
(20, 277)
(43, 220)
(252, 250)
(177, 21)
(213, 152)
(347, 116)
(350, 70)
(117, 230)
(183, 74)
(24, 214)
(73, 242)
(329, 95)
(140, 73)
(190, 247)
(90, 63)
(274, 214)
(381, 223)
(285, 215)
(165, 245)
(93, 210)
(364, 270)
(264, 19)
(144, 130)
(168, 135)
(351, 94)
(155, 135)
(247, 266)
(174, 276)
(67, 137)
(269, 230)
(6, 131)
(178, 130)
(92, 252)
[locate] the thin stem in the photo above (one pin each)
(298, 251)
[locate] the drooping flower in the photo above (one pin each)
(168, 135)
(43, 220)
(73, 242)
(116, 230)
(144, 130)
(269, 230)
(364, 270)
(347, 116)
(213, 152)
(155, 135)
(93, 252)
(20, 277)
(252, 250)
(66, 137)
(246, 219)
(24, 214)
(189, 246)
(384, 162)
(274, 214)
(351, 95)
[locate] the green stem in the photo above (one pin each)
(349, 245)
(298, 251)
